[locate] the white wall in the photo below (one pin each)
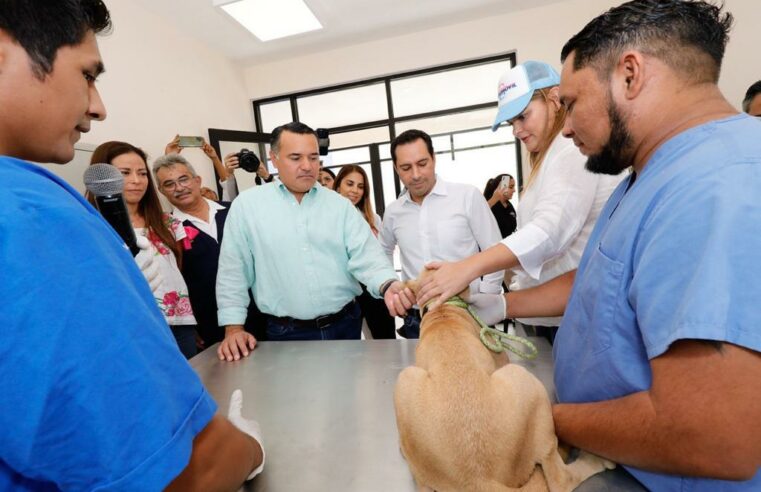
(160, 82)
(537, 33)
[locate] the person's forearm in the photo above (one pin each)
(220, 168)
(632, 431)
(222, 458)
(493, 200)
(496, 258)
(548, 299)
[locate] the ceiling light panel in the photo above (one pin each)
(271, 19)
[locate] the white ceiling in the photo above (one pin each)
(345, 22)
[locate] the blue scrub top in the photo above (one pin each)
(96, 395)
(674, 257)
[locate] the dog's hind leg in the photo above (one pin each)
(407, 404)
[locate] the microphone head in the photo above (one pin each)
(103, 180)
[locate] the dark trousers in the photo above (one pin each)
(376, 315)
(185, 335)
(348, 326)
(547, 332)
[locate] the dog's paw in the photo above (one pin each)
(594, 459)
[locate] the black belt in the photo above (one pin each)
(318, 323)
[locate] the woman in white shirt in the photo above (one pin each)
(560, 201)
(166, 235)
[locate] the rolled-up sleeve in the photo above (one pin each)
(367, 261)
(567, 196)
(235, 274)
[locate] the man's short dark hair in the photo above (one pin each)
(42, 27)
(752, 92)
(292, 127)
(408, 137)
(688, 35)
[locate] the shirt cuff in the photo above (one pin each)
(377, 280)
(531, 245)
(232, 316)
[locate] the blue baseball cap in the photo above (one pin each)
(517, 86)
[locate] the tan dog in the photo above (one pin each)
(466, 423)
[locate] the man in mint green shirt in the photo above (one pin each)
(302, 250)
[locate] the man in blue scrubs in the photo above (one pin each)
(95, 394)
(657, 362)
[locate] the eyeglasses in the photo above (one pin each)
(182, 181)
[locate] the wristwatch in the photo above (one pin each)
(385, 286)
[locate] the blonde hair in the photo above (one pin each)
(535, 159)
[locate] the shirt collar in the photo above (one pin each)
(286, 192)
(182, 216)
(440, 188)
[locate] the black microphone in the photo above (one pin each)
(106, 184)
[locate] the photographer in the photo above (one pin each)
(248, 161)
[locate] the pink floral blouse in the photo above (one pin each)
(172, 295)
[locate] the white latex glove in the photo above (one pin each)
(249, 426)
(491, 308)
(147, 265)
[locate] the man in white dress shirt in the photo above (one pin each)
(434, 220)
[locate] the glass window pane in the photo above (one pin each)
(275, 114)
(389, 189)
(446, 90)
(454, 122)
(482, 137)
(347, 156)
(359, 137)
(477, 166)
(345, 107)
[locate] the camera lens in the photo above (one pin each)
(248, 161)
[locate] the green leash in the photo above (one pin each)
(495, 340)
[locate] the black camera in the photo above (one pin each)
(323, 140)
(248, 161)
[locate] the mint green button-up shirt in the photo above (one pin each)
(302, 260)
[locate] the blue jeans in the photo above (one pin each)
(347, 327)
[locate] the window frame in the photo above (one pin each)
(393, 120)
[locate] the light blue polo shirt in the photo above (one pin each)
(677, 256)
(301, 260)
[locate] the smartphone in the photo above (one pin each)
(191, 142)
(504, 182)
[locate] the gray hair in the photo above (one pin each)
(169, 160)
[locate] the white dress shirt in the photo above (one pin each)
(209, 227)
(556, 215)
(453, 222)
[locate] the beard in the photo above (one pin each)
(616, 155)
